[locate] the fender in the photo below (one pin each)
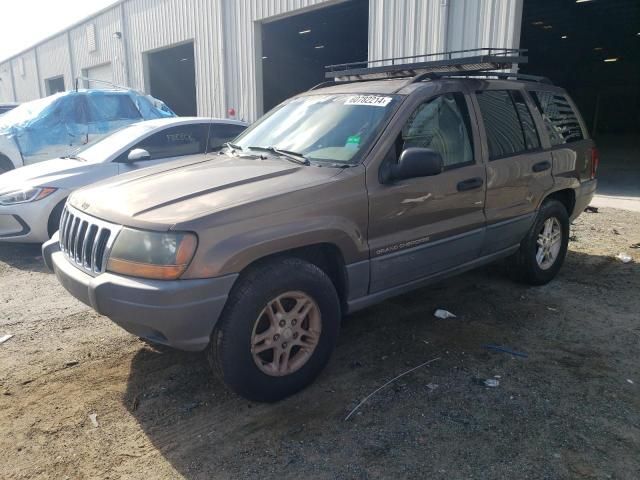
(9, 148)
(242, 248)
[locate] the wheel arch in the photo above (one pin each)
(566, 197)
(5, 163)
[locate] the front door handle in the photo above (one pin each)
(470, 184)
(541, 166)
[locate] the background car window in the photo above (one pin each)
(531, 138)
(501, 123)
(559, 118)
(221, 133)
(441, 124)
(108, 108)
(175, 141)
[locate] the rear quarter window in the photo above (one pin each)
(560, 120)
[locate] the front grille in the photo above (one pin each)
(85, 240)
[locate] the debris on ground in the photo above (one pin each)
(432, 386)
(4, 338)
(387, 384)
(635, 245)
(94, 419)
(552, 309)
(71, 363)
(443, 314)
(629, 381)
(616, 232)
(491, 382)
(624, 257)
(591, 209)
(499, 348)
(573, 238)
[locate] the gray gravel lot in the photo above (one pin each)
(571, 409)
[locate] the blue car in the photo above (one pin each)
(56, 126)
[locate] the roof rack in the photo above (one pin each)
(504, 75)
(429, 65)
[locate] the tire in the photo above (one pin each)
(53, 224)
(6, 165)
(246, 318)
(525, 264)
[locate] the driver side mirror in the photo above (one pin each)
(418, 162)
(138, 154)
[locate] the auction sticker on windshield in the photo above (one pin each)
(372, 100)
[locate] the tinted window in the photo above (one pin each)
(108, 108)
(441, 124)
(559, 118)
(501, 123)
(175, 141)
(221, 133)
(531, 139)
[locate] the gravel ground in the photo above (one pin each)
(570, 409)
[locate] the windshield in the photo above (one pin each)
(104, 149)
(325, 128)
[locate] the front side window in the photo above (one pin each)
(175, 141)
(441, 124)
(560, 120)
(325, 128)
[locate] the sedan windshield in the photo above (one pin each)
(105, 148)
(322, 128)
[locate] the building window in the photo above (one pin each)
(54, 85)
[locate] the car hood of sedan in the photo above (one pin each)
(62, 173)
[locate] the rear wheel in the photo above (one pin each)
(277, 331)
(543, 250)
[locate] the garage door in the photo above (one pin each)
(104, 73)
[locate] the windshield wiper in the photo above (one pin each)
(295, 157)
(232, 146)
(75, 157)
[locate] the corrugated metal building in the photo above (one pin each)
(220, 48)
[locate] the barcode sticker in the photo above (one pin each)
(372, 100)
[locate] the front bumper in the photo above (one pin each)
(179, 313)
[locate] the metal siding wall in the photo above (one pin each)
(53, 60)
(109, 49)
(413, 27)
(6, 83)
(27, 85)
(240, 17)
(156, 24)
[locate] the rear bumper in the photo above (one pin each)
(584, 195)
(180, 313)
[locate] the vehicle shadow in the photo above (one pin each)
(23, 256)
(205, 431)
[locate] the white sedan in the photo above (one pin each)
(32, 197)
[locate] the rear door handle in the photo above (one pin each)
(541, 166)
(470, 184)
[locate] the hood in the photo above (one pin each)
(178, 192)
(58, 173)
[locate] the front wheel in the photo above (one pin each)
(543, 250)
(277, 331)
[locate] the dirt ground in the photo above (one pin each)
(571, 409)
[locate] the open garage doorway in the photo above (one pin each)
(592, 48)
(296, 49)
(171, 77)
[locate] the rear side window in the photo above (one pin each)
(441, 124)
(221, 133)
(529, 131)
(501, 123)
(559, 118)
(109, 108)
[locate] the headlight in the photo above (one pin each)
(161, 256)
(25, 195)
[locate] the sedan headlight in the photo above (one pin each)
(155, 255)
(25, 195)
